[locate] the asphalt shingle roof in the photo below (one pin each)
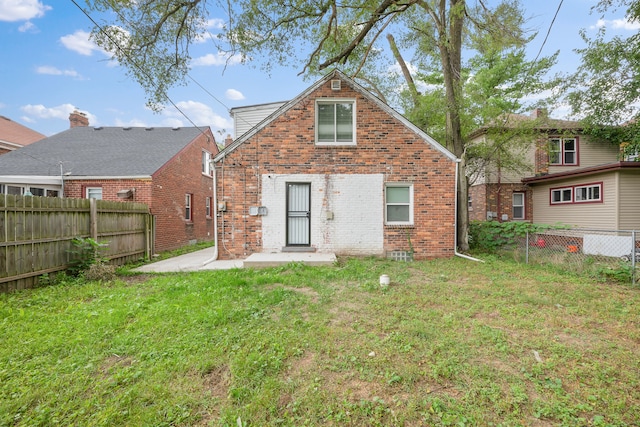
(100, 151)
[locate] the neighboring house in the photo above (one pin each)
(166, 168)
(335, 170)
(13, 135)
(571, 179)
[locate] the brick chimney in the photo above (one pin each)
(228, 140)
(77, 119)
(539, 113)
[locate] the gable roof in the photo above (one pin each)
(538, 121)
(336, 74)
(14, 135)
(100, 152)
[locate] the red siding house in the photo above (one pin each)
(336, 170)
(166, 168)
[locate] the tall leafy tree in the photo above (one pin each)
(605, 90)
(317, 34)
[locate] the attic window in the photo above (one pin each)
(335, 122)
(336, 84)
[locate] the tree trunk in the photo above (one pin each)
(450, 46)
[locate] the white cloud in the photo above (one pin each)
(220, 58)
(234, 95)
(27, 26)
(60, 112)
(53, 71)
(79, 42)
(21, 10)
(215, 23)
(130, 123)
(617, 24)
(199, 113)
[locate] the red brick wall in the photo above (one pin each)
(498, 198)
(478, 209)
(384, 146)
(165, 195)
(181, 175)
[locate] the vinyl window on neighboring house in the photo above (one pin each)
(577, 194)
(188, 212)
(335, 122)
(563, 151)
(518, 206)
(206, 163)
(93, 193)
(399, 204)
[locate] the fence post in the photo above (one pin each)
(526, 250)
(633, 257)
(93, 212)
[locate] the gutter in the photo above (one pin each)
(214, 206)
(455, 226)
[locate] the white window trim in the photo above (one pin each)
(561, 190)
(208, 207)
(353, 120)
(87, 190)
(188, 207)
(206, 163)
(411, 205)
(523, 205)
(574, 189)
(578, 187)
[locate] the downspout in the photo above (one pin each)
(455, 222)
(214, 208)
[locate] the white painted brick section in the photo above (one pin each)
(356, 203)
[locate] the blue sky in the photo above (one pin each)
(49, 67)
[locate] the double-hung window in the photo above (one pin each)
(563, 151)
(208, 207)
(518, 205)
(399, 204)
(188, 212)
(335, 122)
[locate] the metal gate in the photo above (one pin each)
(298, 214)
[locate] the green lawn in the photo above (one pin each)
(449, 342)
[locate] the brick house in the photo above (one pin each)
(13, 135)
(166, 168)
(336, 170)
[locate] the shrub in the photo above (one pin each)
(491, 236)
(85, 253)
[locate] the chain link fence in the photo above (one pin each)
(613, 254)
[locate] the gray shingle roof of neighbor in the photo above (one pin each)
(100, 151)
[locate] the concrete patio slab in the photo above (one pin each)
(196, 261)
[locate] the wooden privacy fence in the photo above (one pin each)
(36, 234)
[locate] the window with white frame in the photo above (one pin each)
(208, 207)
(583, 193)
(563, 151)
(588, 193)
(399, 204)
(188, 213)
(518, 206)
(335, 122)
(93, 193)
(206, 163)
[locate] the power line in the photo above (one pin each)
(135, 64)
